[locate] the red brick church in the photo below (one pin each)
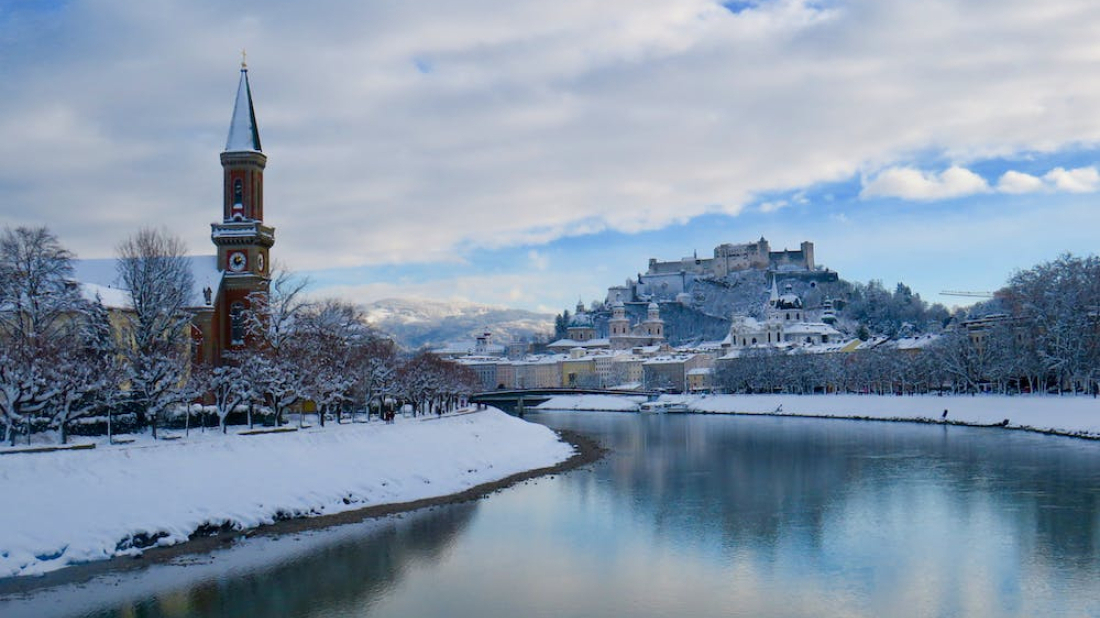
(222, 282)
(242, 240)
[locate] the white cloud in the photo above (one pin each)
(1019, 182)
(533, 123)
(1080, 180)
(1077, 180)
(773, 206)
(913, 184)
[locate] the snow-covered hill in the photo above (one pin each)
(415, 322)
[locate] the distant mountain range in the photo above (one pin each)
(414, 323)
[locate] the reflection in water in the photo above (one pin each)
(344, 567)
(874, 518)
(702, 516)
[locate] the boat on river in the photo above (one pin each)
(662, 407)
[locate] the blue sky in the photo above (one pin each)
(530, 154)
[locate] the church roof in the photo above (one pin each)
(244, 134)
(101, 276)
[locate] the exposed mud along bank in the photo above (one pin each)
(80, 507)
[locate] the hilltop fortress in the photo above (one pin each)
(674, 281)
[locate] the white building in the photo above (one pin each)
(786, 323)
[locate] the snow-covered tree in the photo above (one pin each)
(1060, 303)
(375, 364)
(325, 339)
(228, 387)
(41, 312)
(86, 372)
(271, 323)
(153, 266)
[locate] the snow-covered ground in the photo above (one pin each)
(67, 507)
(1074, 416)
(603, 403)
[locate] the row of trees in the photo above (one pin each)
(325, 353)
(877, 371)
(1057, 304)
(64, 358)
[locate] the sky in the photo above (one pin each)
(529, 154)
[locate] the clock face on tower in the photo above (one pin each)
(237, 261)
(260, 262)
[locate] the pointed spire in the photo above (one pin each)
(774, 297)
(244, 135)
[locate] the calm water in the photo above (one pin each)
(688, 516)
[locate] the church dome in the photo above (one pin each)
(788, 300)
(581, 319)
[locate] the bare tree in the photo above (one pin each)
(154, 267)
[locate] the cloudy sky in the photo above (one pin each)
(530, 153)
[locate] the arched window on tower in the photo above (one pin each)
(238, 199)
(236, 323)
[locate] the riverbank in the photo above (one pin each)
(68, 508)
(1071, 416)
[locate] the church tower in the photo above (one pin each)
(242, 239)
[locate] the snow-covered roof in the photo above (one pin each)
(810, 328)
(915, 343)
(112, 298)
(569, 344)
(565, 344)
(744, 323)
(244, 135)
(469, 348)
(668, 360)
(103, 274)
(550, 359)
(478, 360)
(872, 343)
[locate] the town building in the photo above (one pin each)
(480, 346)
(671, 372)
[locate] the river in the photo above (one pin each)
(687, 516)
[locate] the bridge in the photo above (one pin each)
(516, 401)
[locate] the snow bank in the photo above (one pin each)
(68, 507)
(603, 403)
(1075, 416)
(1071, 416)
